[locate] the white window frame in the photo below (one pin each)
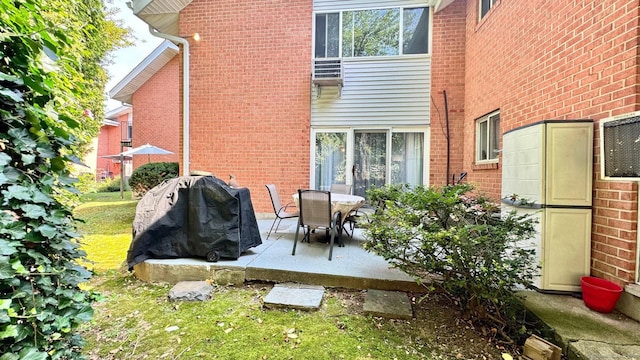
(490, 119)
(491, 3)
(350, 131)
(400, 37)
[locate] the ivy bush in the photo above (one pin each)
(150, 175)
(50, 79)
(458, 243)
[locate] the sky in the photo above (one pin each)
(124, 60)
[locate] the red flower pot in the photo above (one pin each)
(599, 294)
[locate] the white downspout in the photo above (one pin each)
(185, 94)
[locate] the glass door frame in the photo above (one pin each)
(350, 148)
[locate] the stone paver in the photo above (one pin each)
(191, 291)
(389, 304)
(297, 296)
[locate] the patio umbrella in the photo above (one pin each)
(147, 149)
(116, 157)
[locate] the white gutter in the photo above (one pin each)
(185, 94)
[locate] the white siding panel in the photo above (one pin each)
(377, 92)
(336, 5)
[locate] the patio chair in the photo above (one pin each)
(340, 189)
(362, 215)
(315, 212)
(352, 218)
(282, 212)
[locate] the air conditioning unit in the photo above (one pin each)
(327, 72)
(620, 147)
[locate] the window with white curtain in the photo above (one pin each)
(407, 158)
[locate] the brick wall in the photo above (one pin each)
(447, 66)
(250, 86)
(108, 144)
(156, 114)
(560, 60)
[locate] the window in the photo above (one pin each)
(327, 35)
(487, 137)
(371, 33)
(415, 31)
(378, 32)
(368, 157)
(407, 158)
(485, 5)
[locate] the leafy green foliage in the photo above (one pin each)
(463, 244)
(47, 48)
(110, 185)
(150, 175)
(86, 183)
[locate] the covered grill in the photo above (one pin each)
(193, 216)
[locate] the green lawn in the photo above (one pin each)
(136, 321)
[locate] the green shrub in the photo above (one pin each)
(150, 175)
(86, 183)
(463, 244)
(111, 185)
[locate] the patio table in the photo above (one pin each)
(344, 203)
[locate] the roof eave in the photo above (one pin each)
(441, 4)
(123, 91)
(162, 15)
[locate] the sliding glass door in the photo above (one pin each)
(330, 159)
(370, 161)
(367, 158)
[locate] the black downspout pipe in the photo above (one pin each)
(446, 117)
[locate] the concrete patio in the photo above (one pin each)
(351, 266)
(580, 332)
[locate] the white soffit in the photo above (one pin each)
(159, 57)
(162, 15)
(441, 4)
(114, 114)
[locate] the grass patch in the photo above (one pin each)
(133, 319)
(234, 326)
(105, 222)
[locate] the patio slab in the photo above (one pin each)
(351, 266)
(297, 296)
(388, 304)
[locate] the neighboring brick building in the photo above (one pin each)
(257, 109)
(153, 88)
(108, 143)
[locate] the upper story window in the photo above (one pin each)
(327, 35)
(488, 137)
(379, 32)
(485, 5)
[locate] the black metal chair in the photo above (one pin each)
(315, 212)
(282, 212)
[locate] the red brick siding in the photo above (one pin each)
(156, 114)
(560, 60)
(250, 91)
(447, 68)
(108, 144)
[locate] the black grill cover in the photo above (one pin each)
(193, 216)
